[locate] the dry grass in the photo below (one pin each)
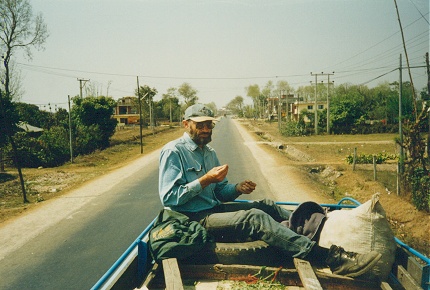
(329, 152)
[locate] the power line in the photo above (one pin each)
(419, 12)
(378, 43)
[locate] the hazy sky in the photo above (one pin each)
(219, 47)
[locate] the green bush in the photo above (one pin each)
(87, 139)
(368, 158)
(49, 150)
(28, 149)
(56, 147)
(293, 128)
(420, 183)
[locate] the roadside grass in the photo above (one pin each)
(328, 154)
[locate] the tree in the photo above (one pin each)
(213, 107)
(236, 106)
(171, 107)
(189, 94)
(32, 115)
(145, 95)
(267, 90)
(253, 91)
(18, 29)
(94, 122)
(346, 109)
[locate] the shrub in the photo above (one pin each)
(368, 158)
(49, 150)
(293, 128)
(27, 148)
(87, 139)
(420, 183)
(56, 147)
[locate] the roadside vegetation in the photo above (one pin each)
(323, 159)
(43, 184)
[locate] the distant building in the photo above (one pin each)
(284, 101)
(127, 111)
(298, 107)
(290, 107)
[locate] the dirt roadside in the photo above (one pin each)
(321, 164)
(298, 185)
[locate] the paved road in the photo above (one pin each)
(69, 242)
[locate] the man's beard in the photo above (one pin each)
(199, 140)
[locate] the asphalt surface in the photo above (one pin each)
(70, 242)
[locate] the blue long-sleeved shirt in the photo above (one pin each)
(182, 162)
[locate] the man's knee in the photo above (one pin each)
(257, 214)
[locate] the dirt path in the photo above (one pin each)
(286, 182)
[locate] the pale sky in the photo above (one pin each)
(219, 47)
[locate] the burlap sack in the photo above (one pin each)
(362, 229)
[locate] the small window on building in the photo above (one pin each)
(310, 107)
(320, 107)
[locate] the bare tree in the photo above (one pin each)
(18, 29)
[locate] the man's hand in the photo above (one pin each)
(246, 187)
(216, 174)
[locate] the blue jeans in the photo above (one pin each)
(259, 220)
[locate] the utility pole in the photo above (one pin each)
(70, 132)
(140, 116)
(428, 104)
(407, 60)
(82, 83)
(316, 104)
(170, 110)
(279, 111)
(400, 118)
(315, 109)
(328, 102)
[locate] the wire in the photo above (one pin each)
(419, 11)
(380, 76)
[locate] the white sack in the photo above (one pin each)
(362, 229)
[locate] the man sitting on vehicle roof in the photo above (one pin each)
(193, 182)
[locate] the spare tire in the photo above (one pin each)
(250, 253)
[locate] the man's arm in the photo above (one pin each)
(246, 187)
(174, 189)
(215, 175)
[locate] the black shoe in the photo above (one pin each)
(350, 264)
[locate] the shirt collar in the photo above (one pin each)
(191, 145)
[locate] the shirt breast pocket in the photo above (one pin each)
(194, 171)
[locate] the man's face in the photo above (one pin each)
(200, 132)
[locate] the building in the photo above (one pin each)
(127, 111)
(290, 107)
(285, 102)
(298, 107)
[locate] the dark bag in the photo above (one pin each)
(175, 236)
(308, 220)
